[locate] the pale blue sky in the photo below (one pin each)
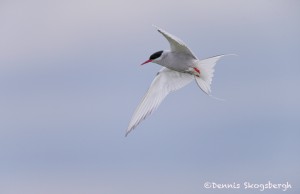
(70, 80)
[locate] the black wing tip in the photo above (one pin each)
(157, 28)
(127, 132)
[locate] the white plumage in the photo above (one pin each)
(181, 66)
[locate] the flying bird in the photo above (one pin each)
(180, 67)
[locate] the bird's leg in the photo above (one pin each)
(197, 70)
(194, 71)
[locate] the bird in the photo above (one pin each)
(180, 67)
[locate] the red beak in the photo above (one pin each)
(148, 61)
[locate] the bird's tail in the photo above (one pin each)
(206, 68)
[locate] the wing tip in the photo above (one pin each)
(157, 28)
(127, 133)
(129, 130)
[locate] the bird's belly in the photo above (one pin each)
(181, 63)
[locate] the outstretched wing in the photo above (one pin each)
(166, 81)
(176, 44)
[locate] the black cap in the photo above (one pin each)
(156, 55)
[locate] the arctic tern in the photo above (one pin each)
(180, 67)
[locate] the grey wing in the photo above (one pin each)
(165, 82)
(176, 44)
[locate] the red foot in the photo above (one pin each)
(196, 69)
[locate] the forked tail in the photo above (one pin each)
(206, 68)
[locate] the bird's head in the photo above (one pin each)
(155, 57)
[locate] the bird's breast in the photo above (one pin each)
(178, 61)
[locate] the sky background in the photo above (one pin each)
(70, 80)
